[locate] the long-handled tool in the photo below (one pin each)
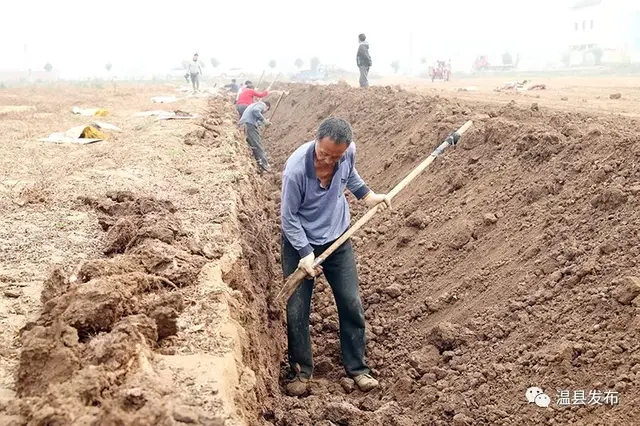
(260, 81)
(274, 81)
(294, 280)
(276, 107)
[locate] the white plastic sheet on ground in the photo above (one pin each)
(170, 115)
(89, 112)
(163, 99)
(107, 126)
(73, 135)
(149, 113)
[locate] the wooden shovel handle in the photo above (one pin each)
(275, 108)
(294, 280)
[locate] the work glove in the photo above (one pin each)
(266, 122)
(306, 264)
(453, 138)
(383, 201)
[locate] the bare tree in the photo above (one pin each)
(48, 67)
(272, 64)
(423, 60)
(215, 63)
(185, 64)
(113, 80)
(396, 66)
(299, 63)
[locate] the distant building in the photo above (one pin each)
(609, 26)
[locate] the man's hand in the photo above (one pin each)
(383, 201)
(306, 264)
(266, 122)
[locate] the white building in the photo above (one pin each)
(611, 26)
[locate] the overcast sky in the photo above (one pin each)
(80, 37)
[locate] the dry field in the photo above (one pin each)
(510, 263)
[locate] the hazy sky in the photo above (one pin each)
(80, 37)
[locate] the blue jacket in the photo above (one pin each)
(310, 214)
(253, 114)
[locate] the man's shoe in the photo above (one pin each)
(365, 382)
(298, 386)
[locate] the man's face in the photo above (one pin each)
(195, 58)
(329, 152)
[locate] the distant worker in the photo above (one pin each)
(233, 87)
(246, 97)
(251, 118)
(195, 71)
(242, 87)
(363, 59)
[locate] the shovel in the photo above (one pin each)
(294, 280)
(274, 81)
(275, 108)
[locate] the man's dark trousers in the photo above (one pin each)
(255, 142)
(240, 109)
(340, 271)
(364, 75)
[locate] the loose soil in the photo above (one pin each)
(138, 273)
(131, 296)
(511, 262)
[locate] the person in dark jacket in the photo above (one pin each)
(363, 59)
(233, 87)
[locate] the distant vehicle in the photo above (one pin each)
(482, 64)
(311, 76)
(441, 71)
(228, 72)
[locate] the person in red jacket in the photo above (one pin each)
(246, 97)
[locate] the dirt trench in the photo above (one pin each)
(511, 262)
(168, 327)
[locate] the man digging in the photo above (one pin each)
(252, 117)
(314, 213)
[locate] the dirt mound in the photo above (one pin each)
(85, 360)
(210, 133)
(511, 262)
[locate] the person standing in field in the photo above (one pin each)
(314, 213)
(363, 59)
(245, 98)
(195, 71)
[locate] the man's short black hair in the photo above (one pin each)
(233, 80)
(248, 82)
(268, 104)
(195, 54)
(336, 129)
(362, 37)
